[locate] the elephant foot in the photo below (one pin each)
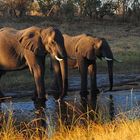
(95, 91)
(41, 119)
(94, 102)
(39, 102)
(84, 99)
(111, 108)
(40, 106)
(84, 93)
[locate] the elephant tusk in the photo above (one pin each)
(108, 59)
(57, 58)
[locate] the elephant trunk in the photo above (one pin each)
(110, 72)
(64, 74)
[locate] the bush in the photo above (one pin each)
(68, 10)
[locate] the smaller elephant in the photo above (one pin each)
(82, 51)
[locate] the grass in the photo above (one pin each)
(115, 130)
(124, 130)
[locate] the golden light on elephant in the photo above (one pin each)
(27, 48)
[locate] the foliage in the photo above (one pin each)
(45, 5)
(17, 8)
(126, 10)
(68, 10)
(136, 9)
(107, 8)
(88, 7)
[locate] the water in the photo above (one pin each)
(124, 99)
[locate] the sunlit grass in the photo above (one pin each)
(81, 127)
(119, 129)
(122, 130)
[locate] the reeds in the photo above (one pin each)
(81, 128)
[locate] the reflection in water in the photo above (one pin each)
(71, 109)
(111, 107)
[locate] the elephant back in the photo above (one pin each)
(70, 43)
(85, 47)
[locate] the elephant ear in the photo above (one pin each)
(32, 41)
(85, 48)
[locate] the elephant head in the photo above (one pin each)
(103, 51)
(43, 41)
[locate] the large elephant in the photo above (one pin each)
(82, 51)
(27, 48)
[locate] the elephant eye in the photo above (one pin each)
(31, 35)
(53, 42)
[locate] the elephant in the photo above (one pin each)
(27, 48)
(82, 51)
(103, 52)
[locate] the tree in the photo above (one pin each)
(15, 8)
(68, 10)
(136, 9)
(46, 5)
(89, 7)
(108, 8)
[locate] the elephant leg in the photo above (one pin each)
(93, 84)
(37, 69)
(40, 99)
(83, 66)
(110, 72)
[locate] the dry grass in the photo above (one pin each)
(123, 130)
(116, 130)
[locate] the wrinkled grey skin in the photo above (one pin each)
(82, 51)
(27, 48)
